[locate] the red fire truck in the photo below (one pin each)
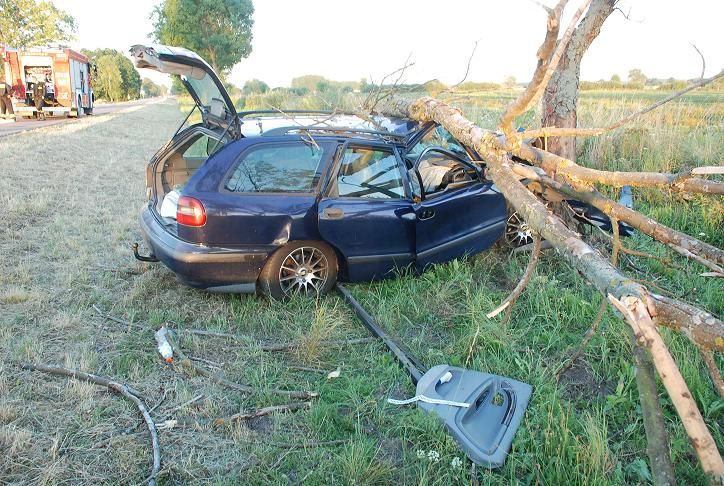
(48, 81)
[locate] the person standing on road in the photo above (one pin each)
(6, 101)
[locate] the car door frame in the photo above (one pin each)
(356, 262)
(489, 232)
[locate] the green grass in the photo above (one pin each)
(71, 217)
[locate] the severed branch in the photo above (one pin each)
(537, 86)
(592, 132)
(252, 414)
(119, 388)
(219, 378)
(637, 316)
(716, 378)
(657, 439)
(639, 221)
(510, 300)
(545, 51)
(584, 177)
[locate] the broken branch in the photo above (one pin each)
(220, 379)
(119, 388)
(637, 316)
(510, 300)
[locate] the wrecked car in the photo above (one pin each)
(285, 202)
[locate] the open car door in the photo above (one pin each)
(202, 83)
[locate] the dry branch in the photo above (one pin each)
(252, 414)
(643, 223)
(220, 379)
(583, 177)
(637, 316)
(595, 268)
(119, 388)
(716, 378)
(657, 443)
(510, 300)
(590, 132)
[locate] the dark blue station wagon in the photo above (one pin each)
(290, 202)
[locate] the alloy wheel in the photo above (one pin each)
(517, 231)
(304, 271)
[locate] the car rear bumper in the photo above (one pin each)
(211, 268)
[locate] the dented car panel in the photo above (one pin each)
(249, 185)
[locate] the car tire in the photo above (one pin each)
(299, 267)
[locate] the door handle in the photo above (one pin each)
(333, 213)
(427, 214)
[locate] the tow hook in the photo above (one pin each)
(140, 257)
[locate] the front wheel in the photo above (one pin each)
(299, 267)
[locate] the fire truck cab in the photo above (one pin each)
(48, 81)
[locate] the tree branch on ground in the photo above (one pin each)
(124, 390)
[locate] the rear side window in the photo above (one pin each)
(288, 167)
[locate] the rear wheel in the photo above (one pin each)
(80, 111)
(299, 268)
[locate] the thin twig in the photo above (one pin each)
(220, 421)
(510, 300)
(303, 445)
(294, 345)
(119, 320)
(220, 379)
(713, 370)
(185, 404)
(119, 388)
(586, 338)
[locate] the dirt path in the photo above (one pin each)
(8, 128)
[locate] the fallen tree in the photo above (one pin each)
(642, 310)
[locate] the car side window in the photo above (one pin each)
(284, 167)
(437, 137)
(368, 173)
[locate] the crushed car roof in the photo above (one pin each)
(256, 123)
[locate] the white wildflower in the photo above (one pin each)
(433, 456)
(456, 463)
(420, 453)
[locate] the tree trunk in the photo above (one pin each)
(561, 95)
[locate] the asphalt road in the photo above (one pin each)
(8, 128)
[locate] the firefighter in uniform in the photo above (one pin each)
(6, 101)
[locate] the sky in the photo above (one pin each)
(345, 40)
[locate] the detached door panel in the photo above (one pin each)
(461, 222)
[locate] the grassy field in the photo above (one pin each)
(70, 215)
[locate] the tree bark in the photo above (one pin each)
(629, 297)
(560, 98)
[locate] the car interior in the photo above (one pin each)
(437, 163)
(178, 167)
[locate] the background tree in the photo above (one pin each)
(560, 98)
(33, 23)
(218, 30)
(116, 78)
(149, 88)
(307, 82)
(509, 82)
(636, 79)
(255, 86)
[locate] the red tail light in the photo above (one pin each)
(190, 212)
